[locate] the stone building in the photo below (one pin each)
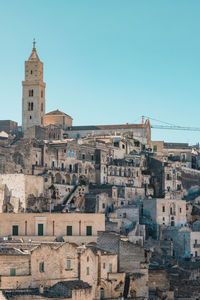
(58, 118)
(31, 266)
(140, 131)
(76, 227)
(99, 269)
(168, 212)
(33, 98)
(70, 290)
(132, 259)
(10, 127)
(16, 188)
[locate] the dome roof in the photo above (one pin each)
(57, 113)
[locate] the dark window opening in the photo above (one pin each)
(15, 230)
(69, 230)
(40, 229)
(89, 230)
(30, 93)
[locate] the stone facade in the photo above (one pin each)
(58, 118)
(44, 226)
(169, 212)
(33, 98)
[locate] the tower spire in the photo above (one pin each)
(34, 42)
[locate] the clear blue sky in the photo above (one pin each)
(107, 61)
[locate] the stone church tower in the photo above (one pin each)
(33, 94)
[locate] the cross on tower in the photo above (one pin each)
(34, 42)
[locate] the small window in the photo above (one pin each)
(163, 208)
(180, 210)
(12, 272)
(69, 230)
(104, 265)
(83, 157)
(103, 205)
(41, 267)
(15, 230)
(41, 94)
(124, 215)
(154, 148)
(88, 258)
(41, 106)
(30, 117)
(31, 105)
(110, 268)
(88, 230)
(68, 264)
(31, 72)
(123, 146)
(87, 271)
(92, 158)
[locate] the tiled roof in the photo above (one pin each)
(57, 112)
(108, 127)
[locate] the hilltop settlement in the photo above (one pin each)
(94, 212)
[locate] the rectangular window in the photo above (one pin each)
(110, 268)
(163, 209)
(83, 157)
(12, 272)
(154, 148)
(88, 271)
(180, 210)
(15, 230)
(88, 230)
(41, 267)
(30, 93)
(69, 230)
(40, 229)
(68, 264)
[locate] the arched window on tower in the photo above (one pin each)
(31, 105)
(30, 93)
(41, 94)
(41, 106)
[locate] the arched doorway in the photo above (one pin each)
(58, 178)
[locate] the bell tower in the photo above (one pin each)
(33, 92)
